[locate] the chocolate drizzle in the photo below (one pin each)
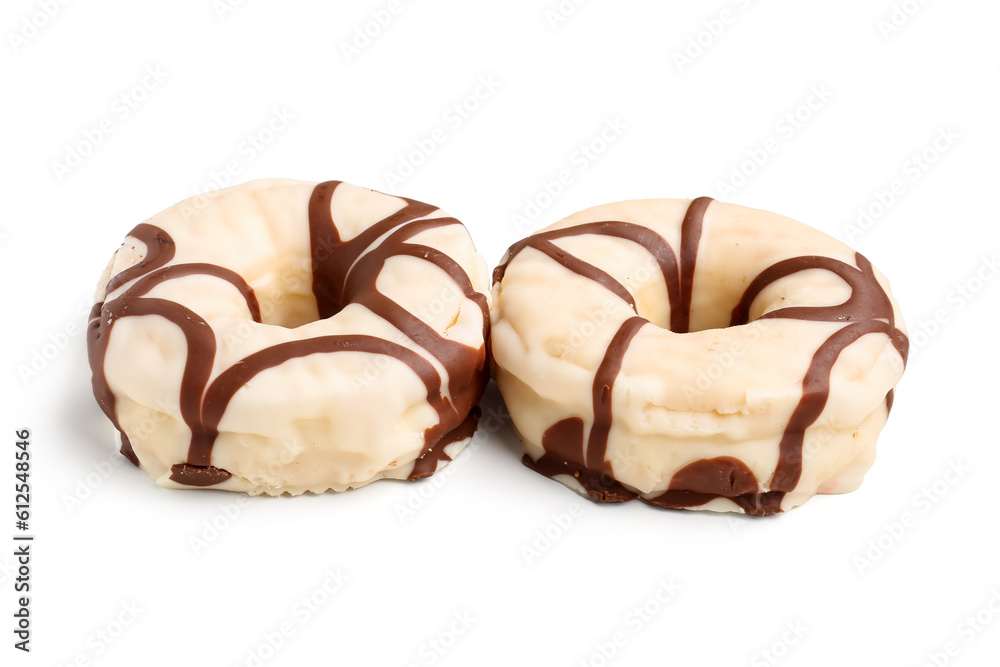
(564, 443)
(342, 273)
(868, 310)
(225, 386)
(427, 464)
(707, 479)
(159, 250)
(190, 475)
(690, 240)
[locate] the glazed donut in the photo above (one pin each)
(695, 354)
(283, 336)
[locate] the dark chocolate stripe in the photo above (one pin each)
(225, 386)
(197, 367)
(562, 446)
(870, 311)
(815, 394)
(354, 279)
(410, 212)
(690, 240)
(159, 250)
(427, 464)
(727, 477)
(198, 334)
(127, 451)
(563, 443)
(604, 382)
(148, 282)
(648, 239)
(723, 476)
(190, 475)
(361, 289)
(324, 240)
(333, 258)
(585, 269)
(349, 275)
(679, 278)
(867, 299)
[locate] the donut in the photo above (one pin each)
(695, 354)
(281, 336)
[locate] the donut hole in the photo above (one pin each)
(284, 292)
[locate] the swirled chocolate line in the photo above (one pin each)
(198, 334)
(565, 450)
(339, 278)
(342, 275)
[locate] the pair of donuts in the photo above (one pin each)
(292, 337)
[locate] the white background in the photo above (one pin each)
(839, 581)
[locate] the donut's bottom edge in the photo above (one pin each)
(182, 476)
(758, 504)
(605, 489)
